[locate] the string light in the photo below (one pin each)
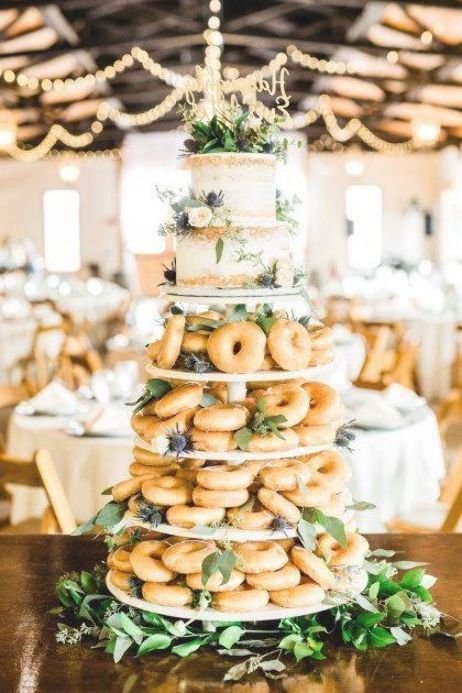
(72, 155)
(333, 67)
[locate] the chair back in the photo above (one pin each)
(40, 472)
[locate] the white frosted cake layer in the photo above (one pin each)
(240, 265)
(247, 181)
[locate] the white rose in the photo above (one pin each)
(199, 216)
(284, 273)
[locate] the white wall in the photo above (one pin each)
(401, 179)
(22, 186)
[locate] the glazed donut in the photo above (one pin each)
(321, 357)
(321, 337)
(335, 506)
(238, 347)
(167, 490)
(178, 423)
(195, 342)
(189, 516)
(216, 441)
(250, 519)
(120, 560)
(137, 469)
(255, 466)
(282, 579)
(172, 339)
(272, 443)
(187, 556)
(151, 459)
(314, 494)
(284, 475)
(121, 580)
(269, 364)
(287, 544)
(166, 595)
(328, 467)
(324, 404)
(316, 435)
(224, 477)
(124, 489)
(215, 582)
(152, 350)
(314, 567)
(209, 498)
(189, 475)
(289, 401)
(279, 506)
(221, 417)
(259, 556)
(183, 397)
(146, 563)
(289, 345)
(307, 593)
(335, 555)
(236, 601)
(139, 423)
(220, 391)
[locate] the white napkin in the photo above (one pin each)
(55, 400)
(402, 397)
(112, 421)
(369, 409)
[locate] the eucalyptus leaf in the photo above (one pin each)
(400, 635)
(208, 400)
(189, 647)
(365, 604)
(360, 506)
(243, 437)
(408, 565)
(230, 636)
(218, 562)
(382, 553)
(157, 641)
(236, 672)
(122, 644)
(333, 526)
(219, 247)
(239, 313)
(412, 578)
(306, 532)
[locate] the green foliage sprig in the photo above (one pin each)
(285, 210)
(155, 388)
(260, 423)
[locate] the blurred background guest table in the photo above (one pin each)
(33, 661)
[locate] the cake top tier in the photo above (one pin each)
(246, 181)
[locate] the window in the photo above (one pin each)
(364, 217)
(61, 230)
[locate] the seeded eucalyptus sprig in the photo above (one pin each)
(155, 388)
(345, 436)
(150, 513)
(261, 424)
(179, 443)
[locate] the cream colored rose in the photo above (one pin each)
(284, 273)
(198, 216)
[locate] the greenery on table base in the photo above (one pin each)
(395, 603)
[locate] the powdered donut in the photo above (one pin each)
(224, 477)
(285, 578)
(183, 397)
(167, 490)
(335, 555)
(208, 498)
(215, 581)
(146, 563)
(279, 506)
(187, 556)
(189, 516)
(289, 345)
(221, 417)
(314, 567)
(289, 401)
(306, 594)
(324, 404)
(237, 347)
(166, 595)
(236, 601)
(259, 556)
(284, 475)
(170, 344)
(216, 441)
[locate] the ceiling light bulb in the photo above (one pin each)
(426, 37)
(392, 57)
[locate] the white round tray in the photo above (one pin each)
(216, 299)
(239, 456)
(215, 292)
(218, 377)
(222, 533)
(269, 613)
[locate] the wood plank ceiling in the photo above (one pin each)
(409, 54)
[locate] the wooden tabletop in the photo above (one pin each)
(30, 659)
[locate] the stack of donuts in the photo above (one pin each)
(253, 496)
(169, 571)
(312, 411)
(242, 346)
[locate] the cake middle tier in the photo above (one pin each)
(236, 256)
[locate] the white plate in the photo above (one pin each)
(219, 377)
(239, 456)
(269, 613)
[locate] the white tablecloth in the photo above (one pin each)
(396, 470)
(85, 465)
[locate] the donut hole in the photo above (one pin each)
(237, 346)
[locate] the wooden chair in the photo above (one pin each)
(39, 472)
(443, 515)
